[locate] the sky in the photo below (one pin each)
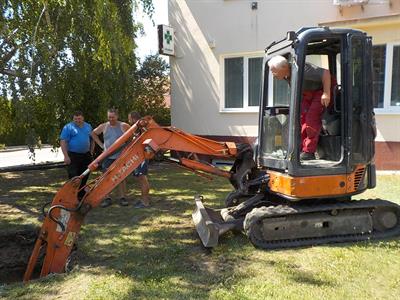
(148, 44)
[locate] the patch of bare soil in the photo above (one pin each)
(15, 249)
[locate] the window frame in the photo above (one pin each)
(246, 108)
(387, 94)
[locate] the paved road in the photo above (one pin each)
(16, 156)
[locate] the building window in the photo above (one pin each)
(386, 77)
(242, 83)
(234, 82)
(395, 97)
(378, 74)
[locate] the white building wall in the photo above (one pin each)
(206, 31)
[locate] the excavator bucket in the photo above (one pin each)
(210, 225)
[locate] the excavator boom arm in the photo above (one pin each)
(153, 139)
(66, 213)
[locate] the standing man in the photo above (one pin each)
(111, 131)
(316, 96)
(77, 147)
(140, 173)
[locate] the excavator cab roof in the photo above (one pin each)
(293, 38)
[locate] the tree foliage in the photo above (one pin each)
(5, 113)
(59, 56)
(152, 86)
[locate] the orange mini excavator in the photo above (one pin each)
(278, 199)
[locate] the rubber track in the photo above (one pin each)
(253, 221)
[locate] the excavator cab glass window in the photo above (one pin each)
(275, 122)
(279, 94)
(276, 132)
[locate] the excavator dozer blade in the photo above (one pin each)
(210, 225)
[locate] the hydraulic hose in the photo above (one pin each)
(49, 213)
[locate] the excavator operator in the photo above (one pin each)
(316, 96)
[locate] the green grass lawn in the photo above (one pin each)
(155, 253)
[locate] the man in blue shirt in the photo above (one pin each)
(77, 147)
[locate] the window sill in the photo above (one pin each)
(238, 110)
(387, 111)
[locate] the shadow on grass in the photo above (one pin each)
(26, 192)
(158, 248)
(164, 262)
(154, 247)
(295, 273)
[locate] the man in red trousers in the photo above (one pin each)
(316, 96)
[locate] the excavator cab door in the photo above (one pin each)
(359, 92)
(274, 118)
(346, 131)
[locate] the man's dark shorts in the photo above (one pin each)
(106, 164)
(141, 170)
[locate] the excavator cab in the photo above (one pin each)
(307, 202)
(348, 130)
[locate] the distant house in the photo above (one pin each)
(219, 46)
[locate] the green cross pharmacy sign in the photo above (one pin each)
(166, 40)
